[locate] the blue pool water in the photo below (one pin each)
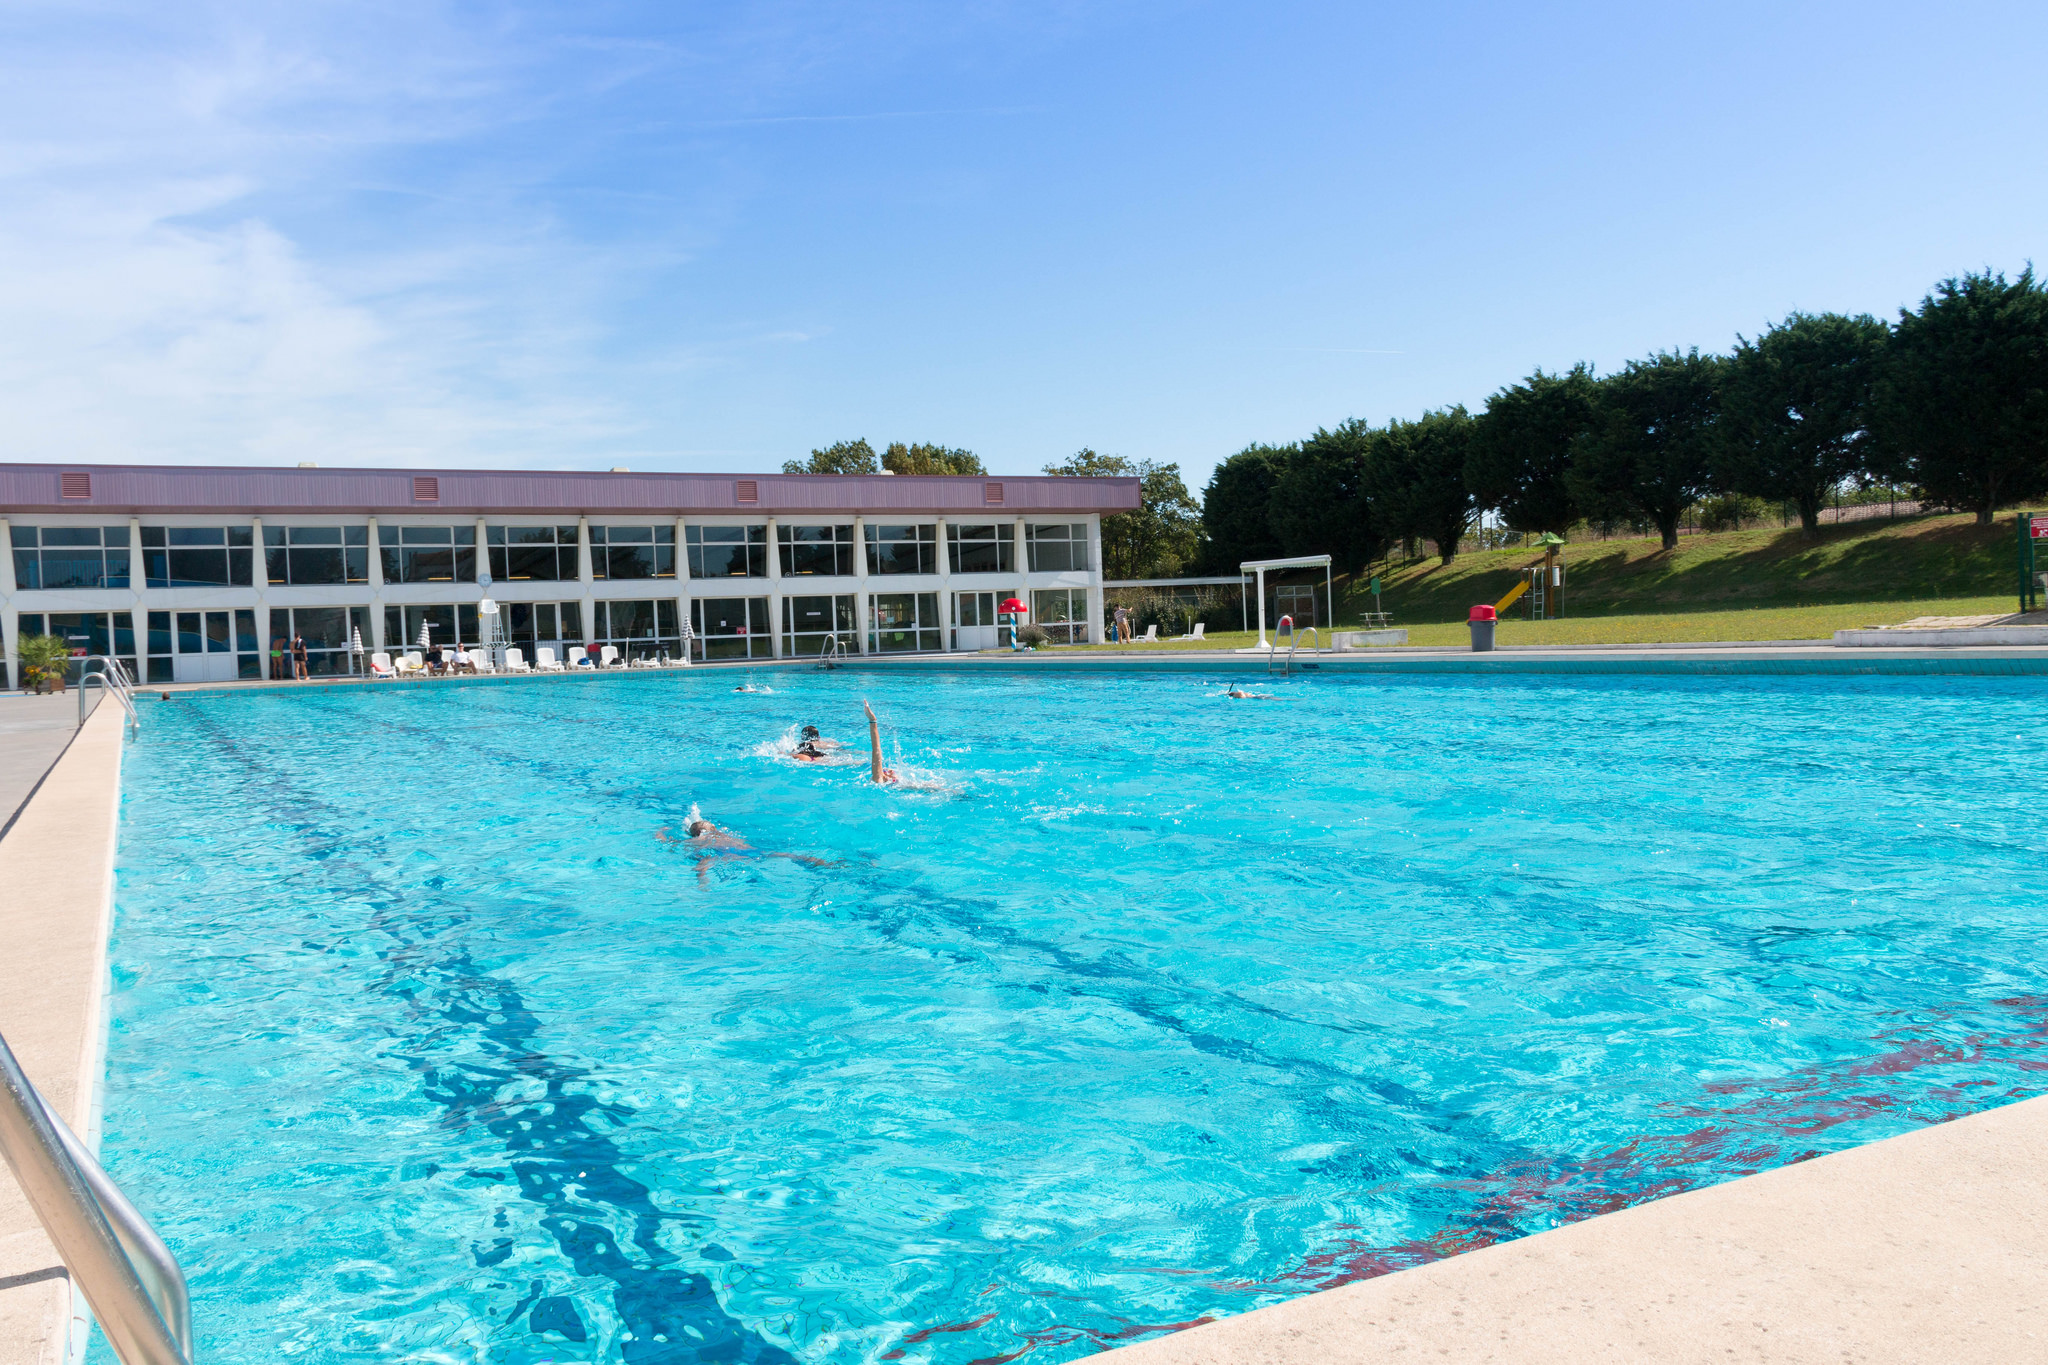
(430, 1044)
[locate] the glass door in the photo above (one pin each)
(205, 648)
(974, 620)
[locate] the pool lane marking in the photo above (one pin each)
(653, 1301)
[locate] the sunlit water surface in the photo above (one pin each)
(431, 1043)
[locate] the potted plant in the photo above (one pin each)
(42, 659)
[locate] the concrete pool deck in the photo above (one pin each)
(1928, 1246)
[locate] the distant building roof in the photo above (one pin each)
(239, 490)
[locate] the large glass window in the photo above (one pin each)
(640, 630)
(727, 551)
(1057, 548)
(529, 625)
(328, 635)
(431, 554)
(444, 625)
(730, 628)
(204, 646)
(87, 633)
(633, 552)
(808, 622)
(520, 553)
(821, 551)
(903, 549)
(1062, 613)
(983, 549)
(900, 622)
(196, 556)
(317, 554)
(70, 556)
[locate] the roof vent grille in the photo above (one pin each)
(992, 495)
(76, 485)
(747, 490)
(426, 488)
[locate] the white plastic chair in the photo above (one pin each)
(607, 656)
(1151, 635)
(380, 666)
(1196, 633)
(412, 663)
(515, 662)
(577, 655)
(480, 660)
(544, 660)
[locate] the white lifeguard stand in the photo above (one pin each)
(1258, 568)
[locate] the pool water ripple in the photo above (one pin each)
(428, 1045)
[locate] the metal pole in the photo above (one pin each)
(64, 1204)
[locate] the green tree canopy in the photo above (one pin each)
(1415, 479)
(1318, 503)
(1237, 507)
(925, 459)
(1522, 449)
(841, 457)
(1651, 449)
(1796, 410)
(1962, 402)
(1158, 539)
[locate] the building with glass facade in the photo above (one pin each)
(194, 574)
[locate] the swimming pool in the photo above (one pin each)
(430, 1043)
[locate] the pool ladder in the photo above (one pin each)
(128, 1275)
(830, 655)
(112, 676)
(1294, 645)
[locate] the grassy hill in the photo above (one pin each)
(1913, 560)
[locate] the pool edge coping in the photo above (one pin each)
(60, 852)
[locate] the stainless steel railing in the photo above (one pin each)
(129, 1276)
(112, 677)
(1292, 646)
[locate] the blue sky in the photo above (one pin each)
(713, 236)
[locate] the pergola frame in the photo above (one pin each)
(1258, 567)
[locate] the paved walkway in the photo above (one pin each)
(33, 731)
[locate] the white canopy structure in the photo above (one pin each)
(1259, 567)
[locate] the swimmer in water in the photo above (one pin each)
(883, 776)
(1240, 694)
(811, 746)
(723, 845)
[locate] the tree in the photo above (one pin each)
(1522, 449)
(923, 459)
(1415, 479)
(1650, 451)
(1796, 410)
(841, 457)
(1962, 401)
(1158, 539)
(1237, 507)
(1318, 505)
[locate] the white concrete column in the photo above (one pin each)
(774, 590)
(683, 625)
(377, 640)
(1095, 599)
(138, 578)
(584, 577)
(860, 573)
(483, 559)
(1024, 574)
(945, 587)
(9, 618)
(259, 579)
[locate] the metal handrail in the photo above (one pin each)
(113, 677)
(829, 654)
(1293, 646)
(129, 1277)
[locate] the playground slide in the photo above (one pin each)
(1509, 600)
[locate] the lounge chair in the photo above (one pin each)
(480, 660)
(1151, 635)
(608, 656)
(1196, 633)
(577, 656)
(411, 664)
(515, 662)
(544, 660)
(380, 666)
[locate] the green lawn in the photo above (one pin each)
(1818, 622)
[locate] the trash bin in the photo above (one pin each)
(1481, 621)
